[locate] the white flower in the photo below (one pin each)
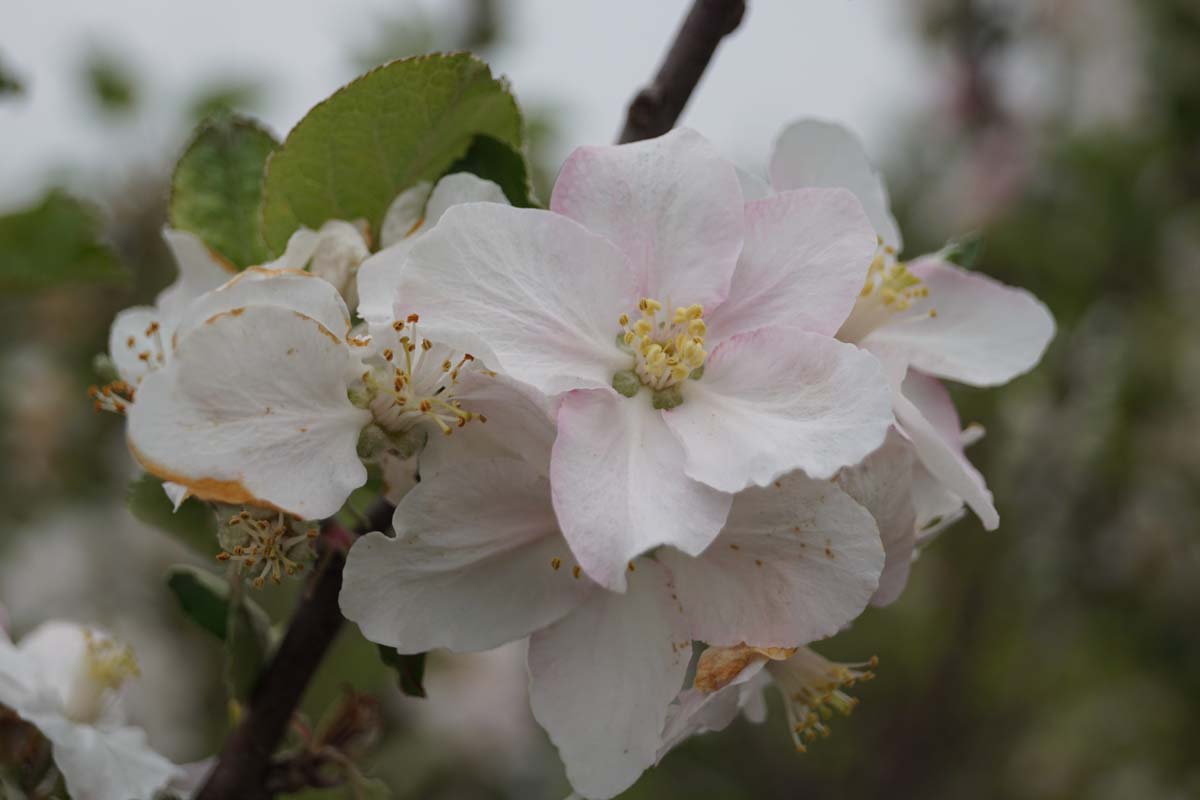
(140, 336)
(64, 679)
(924, 319)
(334, 252)
(652, 302)
(479, 552)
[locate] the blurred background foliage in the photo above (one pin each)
(1056, 658)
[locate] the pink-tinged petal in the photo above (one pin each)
(253, 409)
(777, 400)
(812, 153)
(602, 678)
(132, 350)
(802, 266)
(477, 561)
(927, 417)
(302, 292)
(619, 485)
(980, 332)
(797, 561)
(520, 424)
(672, 204)
(534, 294)
(200, 270)
(883, 484)
(104, 763)
(933, 502)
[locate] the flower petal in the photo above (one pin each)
(253, 409)
(457, 188)
(378, 278)
(477, 561)
(295, 291)
(55, 650)
(602, 678)
(812, 152)
(984, 333)
(405, 215)
(803, 264)
(777, 400)
(796, 562)
(520, 424)
(619, 485)
(672, 204)
(927, 417)
(883, 484)
(133, 352)
(532, 293)
(200, 270)
(104, 763)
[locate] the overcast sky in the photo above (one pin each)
(851, 60)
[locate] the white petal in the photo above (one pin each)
(777, 400)
(602, 678)
(18, 675)
(399, 476)
(104, 763)
(520, 424)
(932, 501)
(134, 353)
(176, 493)
(816, 153)
(984, 333)
(472, 565)
(55, 650)
(619, 486)
(937, 443)
(532, 293)
(796, 562)
(883, 484)
(296, 291)
(672, 204)
(200, 270)
(802, 266)
(405, 215)
(698, 712)
(253, 409)
(460, 187)
(754, 187)
(378, 279)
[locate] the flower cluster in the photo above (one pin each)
(684, 422)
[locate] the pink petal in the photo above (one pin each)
(672, 204)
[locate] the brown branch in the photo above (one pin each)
(656, 108)
(245, 761)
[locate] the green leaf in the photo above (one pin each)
(405, 122)
(502, 164)
(194, 523)
(965, 252)
(55, 242)
(217, 187)
(220, 609)
(410, 670)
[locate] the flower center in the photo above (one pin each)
(106, 666)
(812, 692)
(416, 383)
(889, 289)
(666, 350)
(276, 543)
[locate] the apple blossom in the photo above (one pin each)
(687, 335)
(64, 680)
(479, 551)
(925, 319)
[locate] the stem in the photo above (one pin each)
(657, 107)
(245, 761)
